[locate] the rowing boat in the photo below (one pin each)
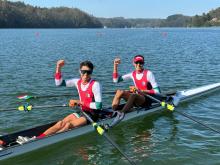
(14, 149)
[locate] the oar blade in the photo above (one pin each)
(24, 97)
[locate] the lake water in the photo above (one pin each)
(180, 58)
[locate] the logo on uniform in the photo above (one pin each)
(143, 83)
(88, 95)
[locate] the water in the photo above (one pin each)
(180, 59)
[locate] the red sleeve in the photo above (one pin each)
(58, 76)
(115, 75)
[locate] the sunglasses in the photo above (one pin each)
(139, 62)
(86, 71)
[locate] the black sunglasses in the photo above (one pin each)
(86, 71)
(139, 62)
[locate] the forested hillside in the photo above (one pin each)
(19, 15)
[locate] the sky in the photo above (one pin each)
(133, 8)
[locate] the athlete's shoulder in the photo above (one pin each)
(96, 82)
(148, 71)
(96, 86)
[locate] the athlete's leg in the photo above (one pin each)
(133, 99)
(119, 94)
(59, 125)
(72, 122)
(78, 122)
(71, 117)
(65, 127)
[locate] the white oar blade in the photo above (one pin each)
(24, 97)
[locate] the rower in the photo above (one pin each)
(89, 93)
(90, 99)
(144, 81)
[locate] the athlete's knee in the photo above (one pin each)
(69, 118)
(114, 107)
(67, 126)
(60, 124)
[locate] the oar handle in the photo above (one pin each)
(151, 97)
(50, 106)
(162, 103)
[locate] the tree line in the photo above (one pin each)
(178, 20)
(20, 15)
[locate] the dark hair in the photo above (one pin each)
(88, 64)
(138, 56)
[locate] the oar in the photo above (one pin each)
(171, 108)
(197, 121)
(27, 97)
(101, 131)
(27, 107)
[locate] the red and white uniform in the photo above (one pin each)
(141, 84)
(90, 94)
(86, 96)
(143, 81)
